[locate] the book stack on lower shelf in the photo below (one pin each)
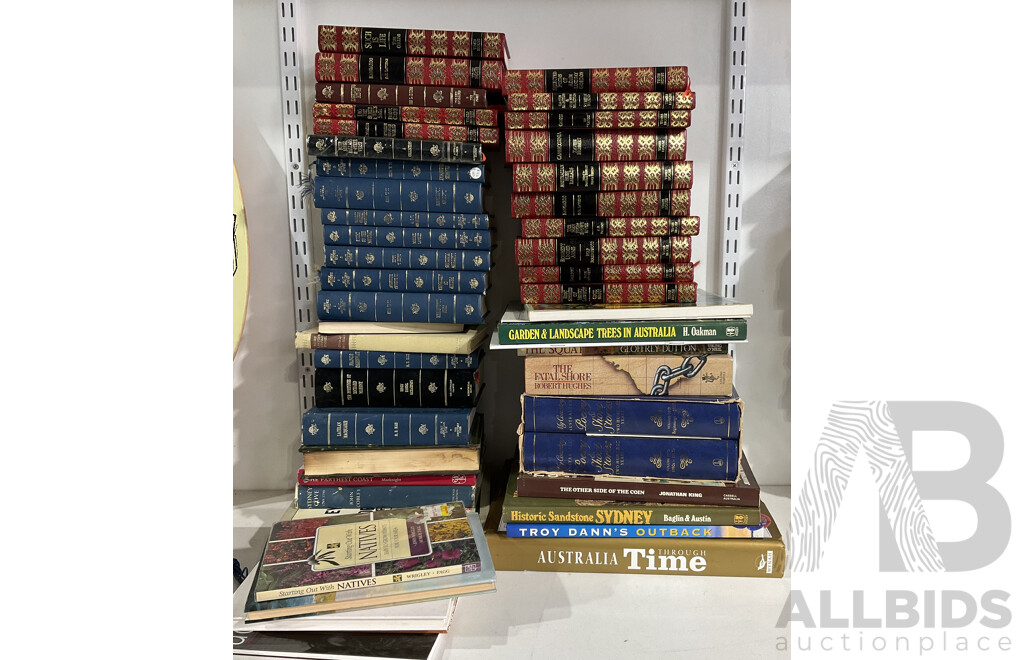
(356, 583)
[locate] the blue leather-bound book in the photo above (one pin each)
(429, 196)
(400, 307)
(366, 217)
(630, 456)
(465, 239)
(381, 497)
(370, 279)
(395, 388)
(388, 427)
(330, 358)
(352, 256)
(717, 417)
(414, 170)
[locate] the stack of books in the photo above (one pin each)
(400, 119)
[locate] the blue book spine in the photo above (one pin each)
(628, 456)
(663, 415)
(364, 217)
(567, 530)
(382, 497)
(464, 239)
(400, 307)
(369, 279)
(342, 256)
(429, 196)
(390, 427)
(335, 359)
(410, 170)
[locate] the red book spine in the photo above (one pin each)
(400, 480)
(604, 204)
(674, 272)
(609, 294)
(439, 43)
(545, 101)
(602, 227)
(586, 146)
(418, 95)
(626, 175)
(411, 70)
(599, 119)
(598, 251)
(618, 79)
(482, 134)
(408, 113)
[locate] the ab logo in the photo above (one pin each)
(882, 430)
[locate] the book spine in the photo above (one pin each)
(637, 513)
(394, 149)
(369, 168)
(428, 96)
(596, 177)
(606, 204)
(445, 342)
(366, 128)
(361, 127)
(546, 101)
(609, 227)
(687, 494)
(599, 251)
(406, 427)
(400, 195)
(395, 41)
(395, 388)
(365, 217)
(591, 332)
(586, 145)
(400, 307)
(755, 557)
(613, 293)
(464, 239)
(397, 480)
(381, 497)
(655, 375)
(601, 119)
(654, 416)
(338, 359)
(410, 70)
(595, 81)
(411, 114)
(629, 456)
(567, 530)
(337, 256)
(674, 272)
(369, 279)
(628, 349)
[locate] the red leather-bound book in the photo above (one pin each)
(398, 41)
(617, 79)
(599, 119)
(612, 175)
(599, 251)
(602, 227)
(431, 96)
(617, 204)
(449, 133)
(674, 272)
(585, 146)
(545, 101)
(409, 70)
(408, 113)
(610, 293)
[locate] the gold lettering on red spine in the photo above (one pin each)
(520, 206)
(492, 45)
(535, 80)
(460, 44)
(543, 205)
(349, 40)
(515, 146)
(683, 174)
(325, 66)
(678, 80)
(537, 120)
(680, 202)
(606, 204)
(546, 177)
(600, 80)
(539, 145)
(326, 37)
(676, 145)
(622, 79)
(645, 79)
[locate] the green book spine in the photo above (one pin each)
(594, 332)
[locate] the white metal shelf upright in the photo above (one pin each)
(299, 221)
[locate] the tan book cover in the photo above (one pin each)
(655, 374)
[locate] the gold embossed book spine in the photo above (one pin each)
(400, 41)
(603, 204)
(673, 272)
(609, 176)
(617, 79)
(410, 114)
(409, 70)
(600, 119)
(612, 293)
(594, 146)
(603, 227)
(429, 96)
(563, 101)
(600, 251)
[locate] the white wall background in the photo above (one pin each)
(541, 34)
